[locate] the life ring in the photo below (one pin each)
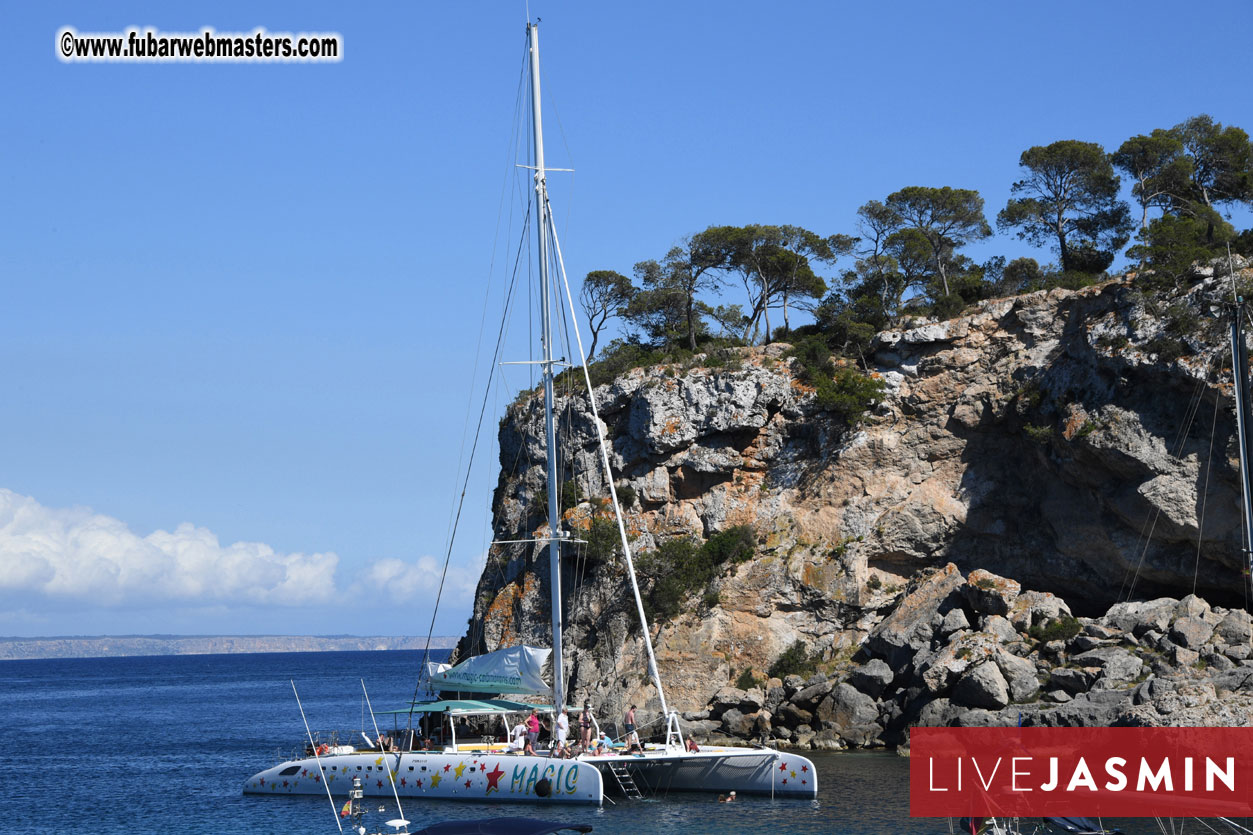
(323, 748)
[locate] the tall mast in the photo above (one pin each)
(546, 338)
(1240, 388)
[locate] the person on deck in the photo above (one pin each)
(563, 727)
(532, 727)
(585, 726)
(629, 721)
(519, 737)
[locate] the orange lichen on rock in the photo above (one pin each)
(801, 387)
(501, 613)
(1074, 422)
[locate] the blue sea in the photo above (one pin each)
(164, 744)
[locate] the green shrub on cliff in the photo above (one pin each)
(734, 545)
(602, 540)
(844, 392)
(681, 567)
(795, 661)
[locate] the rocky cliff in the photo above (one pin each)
(1075, 443)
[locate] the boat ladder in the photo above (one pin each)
(625, 782)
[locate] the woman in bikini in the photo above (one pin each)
(585, 725)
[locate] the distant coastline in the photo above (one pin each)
(15, 649)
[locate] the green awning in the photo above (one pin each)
(469, 707)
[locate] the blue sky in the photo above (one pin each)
(241, 301)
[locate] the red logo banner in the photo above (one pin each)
(1115, 772)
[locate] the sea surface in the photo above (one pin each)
(163, 745)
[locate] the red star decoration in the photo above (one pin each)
(446, 767)
(380, 783)
(804, 768)
(419, 783)
(317, 778)
(304, 772)
(263, 781)
(802, 782)
(493, 777)
(402, 781)
(467, 784)
(284, 784)
(783, 767)
(785, 781)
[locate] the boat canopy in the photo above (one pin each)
(469, 707)
(509, 670)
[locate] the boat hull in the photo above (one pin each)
(483, 777)
(718, 769)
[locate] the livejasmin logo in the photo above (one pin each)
(1022, 769)
(1122, 772)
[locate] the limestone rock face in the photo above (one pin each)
(909, 629)
(989, 594)
(1190, 632)
(983, 686)
(1002, 485)
(872, 678)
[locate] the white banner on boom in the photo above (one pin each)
(511, 670)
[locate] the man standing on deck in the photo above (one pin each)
(632, 738)
(563, 727)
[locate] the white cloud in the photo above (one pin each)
(77, 554)
(398, 581)
(73, 554)
(76, 558)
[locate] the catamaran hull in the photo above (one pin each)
(466, 776)
(741, 770)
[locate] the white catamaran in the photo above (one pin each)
(430, 761)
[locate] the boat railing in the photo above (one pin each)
(674, 734)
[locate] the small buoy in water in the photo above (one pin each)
(543, 788)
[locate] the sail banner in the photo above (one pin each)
(511, 670)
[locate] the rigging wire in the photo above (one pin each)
(569, 204)
(613, 493)
(491, 374)
(491, 269)
(506, 180)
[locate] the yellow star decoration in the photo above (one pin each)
(793, 773)
(435, 778)
(460, 768)
(379, 762)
